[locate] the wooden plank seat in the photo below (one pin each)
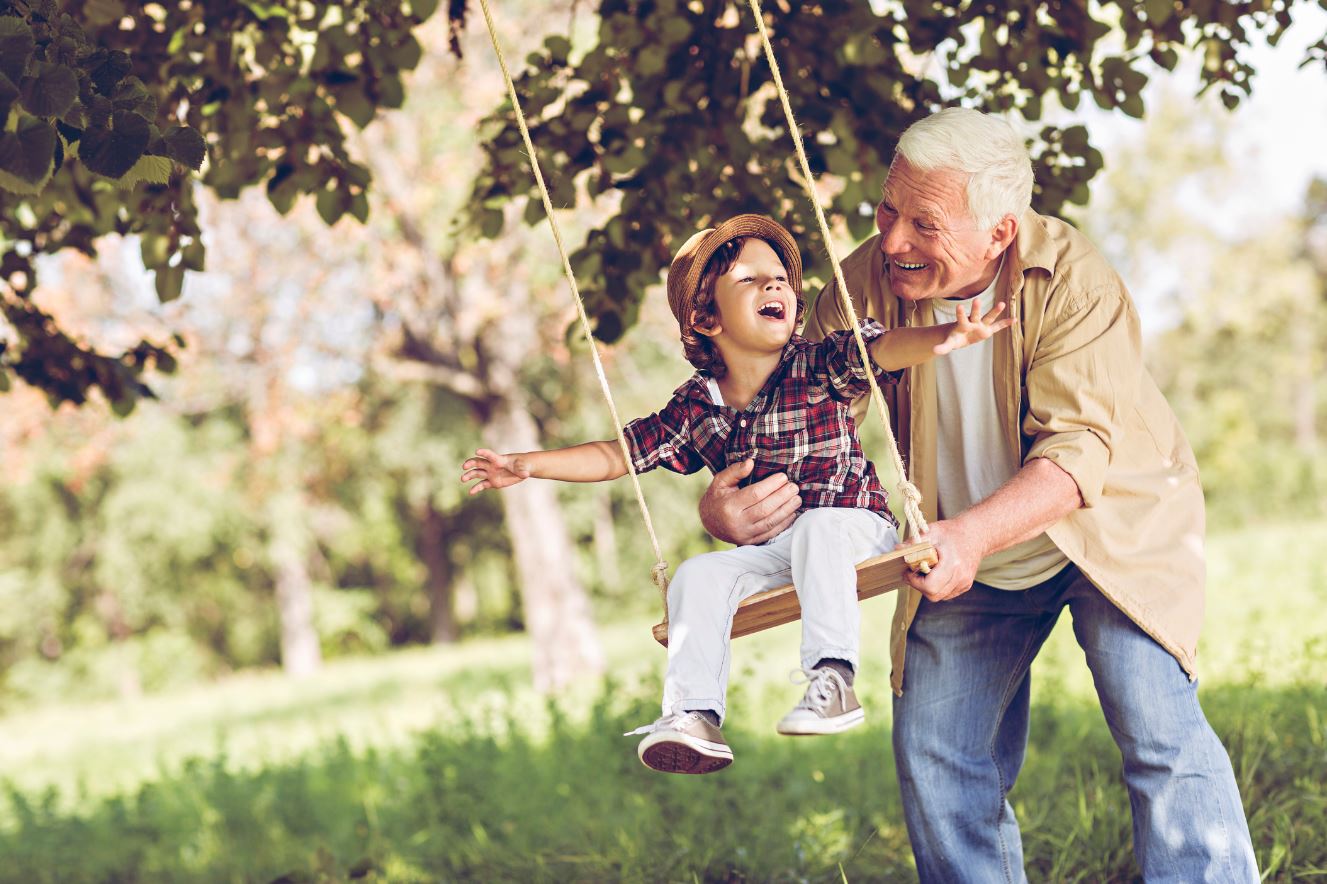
(774, 607)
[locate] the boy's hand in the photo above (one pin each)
(494, 470)
(972, 329)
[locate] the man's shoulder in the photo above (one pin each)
(1068, 264)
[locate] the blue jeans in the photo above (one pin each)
(961, 728)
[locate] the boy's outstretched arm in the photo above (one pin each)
(901, 348)
(587, 462)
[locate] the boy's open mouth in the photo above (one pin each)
(771, 309)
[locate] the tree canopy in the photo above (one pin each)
(670, 119)
(110, 106)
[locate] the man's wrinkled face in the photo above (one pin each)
(932, 245)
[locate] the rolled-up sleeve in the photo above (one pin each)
(663, 439)
(1082, 382)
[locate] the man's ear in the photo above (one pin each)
(1002, 236)
(708, 329)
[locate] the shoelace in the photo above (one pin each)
(821, 685)
(662, 723)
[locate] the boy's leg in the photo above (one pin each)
(702, 598)
(827, 544)
(1188, 821)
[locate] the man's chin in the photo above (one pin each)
(908, 291)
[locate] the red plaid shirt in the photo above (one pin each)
(799, 424)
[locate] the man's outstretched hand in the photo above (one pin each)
(752, 514)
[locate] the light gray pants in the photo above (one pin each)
(818, 554)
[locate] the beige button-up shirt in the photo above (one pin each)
(1071, 385)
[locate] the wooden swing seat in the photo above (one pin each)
(774, 607)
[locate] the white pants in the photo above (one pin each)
(818, 553)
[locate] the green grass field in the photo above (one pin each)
(441, 764)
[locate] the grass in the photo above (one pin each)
(442, 764)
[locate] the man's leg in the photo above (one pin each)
(960, 729)
(1188, 822)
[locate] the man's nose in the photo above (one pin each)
(894, 238)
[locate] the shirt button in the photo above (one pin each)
(743, 422)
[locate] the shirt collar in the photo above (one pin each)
(698, 385)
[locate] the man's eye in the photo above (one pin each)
(887, 209)
(927, 228)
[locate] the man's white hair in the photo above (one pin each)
(985, 148)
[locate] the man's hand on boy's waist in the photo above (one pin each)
(750, 515)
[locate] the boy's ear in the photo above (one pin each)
(709, 329)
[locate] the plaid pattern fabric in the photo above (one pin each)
(799, 424)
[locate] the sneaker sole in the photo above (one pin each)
(817, 726)
(672, 753)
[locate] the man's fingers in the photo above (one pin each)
(779, 528)
(993, 315)
(730, 475)
(770, 499)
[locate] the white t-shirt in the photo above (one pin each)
(975, 456)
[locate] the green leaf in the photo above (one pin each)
(114, 151)
(28, 153)
(155, 250)
(9, 94)
(150, 169)
(1159, 11)
(490, 223)
(423, 9)
(108, 68)
(50, 90)
(170, 282)
(16, 46)
(351, 101)
(391, 91)
(559, 49)
(359, 207)
(407, 55)
(1133, 106)
(194, 255)
(185, 146)
(331, 205)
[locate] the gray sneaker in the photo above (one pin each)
(829, 706)
(685, 743)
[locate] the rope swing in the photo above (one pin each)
(772, 607)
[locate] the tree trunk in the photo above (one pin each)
(432, 551)
(288, 551)
(556, 608)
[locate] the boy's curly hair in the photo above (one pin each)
(699, 349)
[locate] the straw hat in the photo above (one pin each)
(689, 263)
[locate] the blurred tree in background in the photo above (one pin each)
(293, 495)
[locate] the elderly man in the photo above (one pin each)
(1058, 477)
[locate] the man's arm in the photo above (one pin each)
(1038, 496)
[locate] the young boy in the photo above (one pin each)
(760, 391)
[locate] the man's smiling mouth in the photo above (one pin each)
(909, 265)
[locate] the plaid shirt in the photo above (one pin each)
(799, 423)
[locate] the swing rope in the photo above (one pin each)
(659, 573)
(912, 498)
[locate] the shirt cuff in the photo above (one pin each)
(1080, 453)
